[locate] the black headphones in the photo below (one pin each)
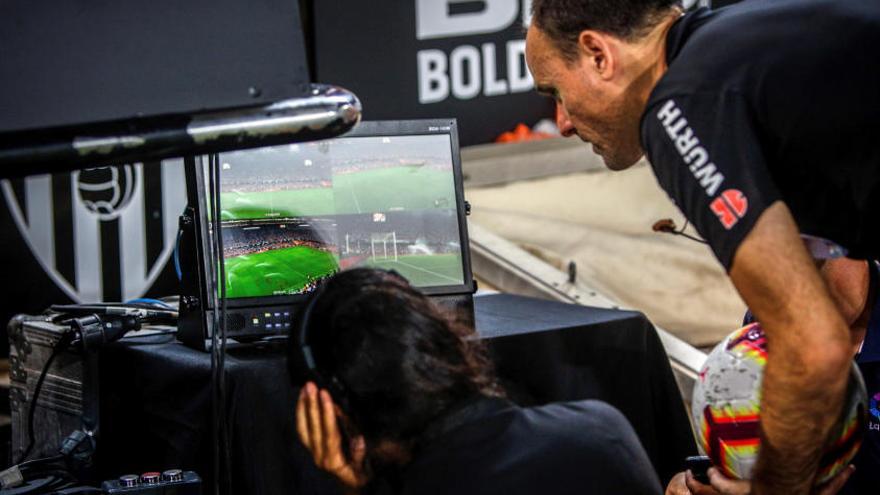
(326, 381)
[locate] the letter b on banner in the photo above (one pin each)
(434, 18)
(432, 58)
(433, 83)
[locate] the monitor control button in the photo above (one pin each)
(172, 475)
(151, 478)
(128, 480)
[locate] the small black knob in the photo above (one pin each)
(128, 480)
(151, 478)
(172, 475)
(467, 208)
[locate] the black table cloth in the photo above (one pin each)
(156, 398)
(546, 351)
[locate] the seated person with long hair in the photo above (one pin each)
(406, 403)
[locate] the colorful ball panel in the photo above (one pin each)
(726, 408)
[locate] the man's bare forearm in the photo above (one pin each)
(809, 352)
(797, 412)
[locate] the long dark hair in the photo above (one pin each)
(401, 360)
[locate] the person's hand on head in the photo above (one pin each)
(316, 424)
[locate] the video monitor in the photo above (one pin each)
(386, 195)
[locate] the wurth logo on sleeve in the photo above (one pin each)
(688, 146)
(730, 205)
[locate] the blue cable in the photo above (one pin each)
(177, 256)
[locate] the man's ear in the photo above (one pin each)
(597, 49)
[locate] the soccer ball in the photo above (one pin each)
(107, 191)
(726, 408)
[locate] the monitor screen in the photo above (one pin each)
(294, 214)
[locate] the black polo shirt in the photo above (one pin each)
(497, 448)
(772, 100)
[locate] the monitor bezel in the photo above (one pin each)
(199, 194)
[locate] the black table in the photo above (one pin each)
(156, 393)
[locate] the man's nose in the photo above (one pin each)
(563, 122)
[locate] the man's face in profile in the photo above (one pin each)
(591, 102)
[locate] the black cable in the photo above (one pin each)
(224, 421)
(113, 309)
(224, 424)
(218, 335)
(667, 226)
(34, 463)
(45, 480)
(42, 471)
(59, 472)
(688, 236)
(77, 490)
(154, 334)
(132, 341)
(61, 484)
(215, 413)
(65, 340)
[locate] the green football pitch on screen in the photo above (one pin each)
(408, 187)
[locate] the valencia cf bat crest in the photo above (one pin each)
(101, 234)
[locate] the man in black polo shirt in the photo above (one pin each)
(760, 121)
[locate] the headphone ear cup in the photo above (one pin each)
(337, 391)
(310, 363)
(329, 382)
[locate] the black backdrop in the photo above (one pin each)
(84, 61)
(371, 47)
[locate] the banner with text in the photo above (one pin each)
(432, 58)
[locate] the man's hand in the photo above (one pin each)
(809, 351)
(685, 484)
(317, 427)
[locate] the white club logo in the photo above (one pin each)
(107, 191)
(79, 225)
